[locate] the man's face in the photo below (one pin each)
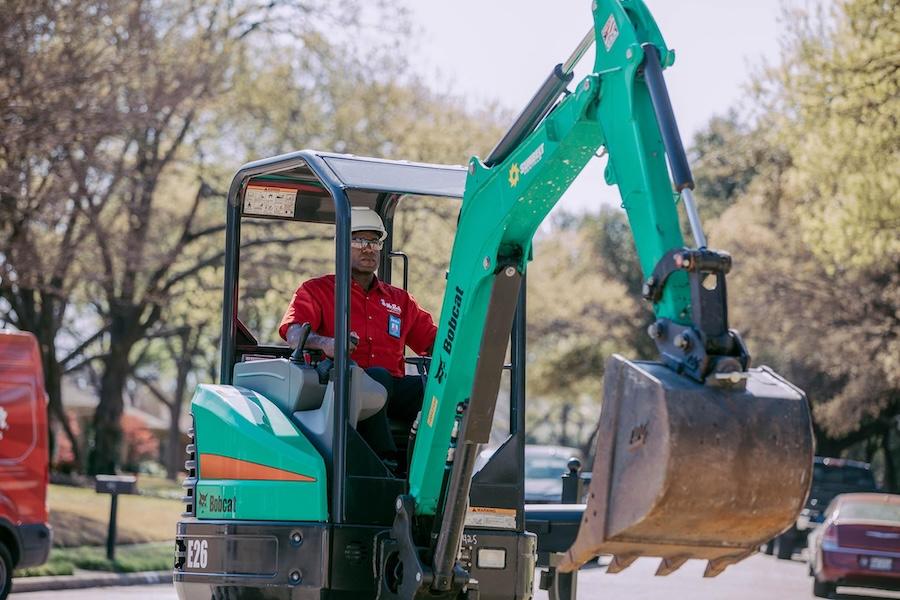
(364, 260)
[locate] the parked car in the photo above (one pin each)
(544, 468)
(831, 476)
(24, 460)
(858, 544)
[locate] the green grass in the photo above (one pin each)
(79, 517)
(129, 559)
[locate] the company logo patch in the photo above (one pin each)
(222, 505)
(514, 175)
(533, 159)
(391, 307)
(453, 321)
(201, 500)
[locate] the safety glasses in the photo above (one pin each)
(363, 243)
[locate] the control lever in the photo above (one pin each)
(324, 366)
(297, 354)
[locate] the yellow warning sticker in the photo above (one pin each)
(432, 409)
(488, 516)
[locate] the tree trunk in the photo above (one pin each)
(106, 453)
(174, 451)
(53, 384)
(890, 475)
(564, 425)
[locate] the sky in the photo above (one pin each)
(501, 50)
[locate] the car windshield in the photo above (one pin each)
(546, 467)
(873, 511)
(844, 477)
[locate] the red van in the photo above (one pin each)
(24, 457)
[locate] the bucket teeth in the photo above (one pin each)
(717, 565)
(670, 565)
(620, 562)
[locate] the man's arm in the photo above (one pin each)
(422, 331)
(317, 342)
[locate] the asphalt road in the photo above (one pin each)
(757, 578)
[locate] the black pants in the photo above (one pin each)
(404, 400)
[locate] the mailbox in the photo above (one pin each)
(116, 484)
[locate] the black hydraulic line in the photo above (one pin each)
(537, 108)
(665, 118)
(517, 358)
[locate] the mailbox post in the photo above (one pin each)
(114, 485)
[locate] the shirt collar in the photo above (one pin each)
(377, 285)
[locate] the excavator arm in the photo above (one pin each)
(621, 108)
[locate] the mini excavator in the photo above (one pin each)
(698, 455)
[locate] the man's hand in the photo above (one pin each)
(326, 344)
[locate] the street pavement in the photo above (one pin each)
(757, 578)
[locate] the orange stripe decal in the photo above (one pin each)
(213, 466)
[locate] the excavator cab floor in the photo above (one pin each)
(688, 470)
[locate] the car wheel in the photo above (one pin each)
(784, 546)
(823, 589)
(6, 569)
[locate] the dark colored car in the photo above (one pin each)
(858, 544)
(24, 469)
(544, 468)
(831, 476)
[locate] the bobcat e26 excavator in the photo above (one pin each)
(697, 456)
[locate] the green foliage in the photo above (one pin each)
(129, 559)
(837, 96)
(814, 228)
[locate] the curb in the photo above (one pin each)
(88, 579)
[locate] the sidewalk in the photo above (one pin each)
(88, 579)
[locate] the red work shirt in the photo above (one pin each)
(385, 318)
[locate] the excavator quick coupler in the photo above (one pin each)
(688, 470)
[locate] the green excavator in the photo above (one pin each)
(698, 455)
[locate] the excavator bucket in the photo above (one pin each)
(685, 470)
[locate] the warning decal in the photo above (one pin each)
(486, 516)
(610, 32)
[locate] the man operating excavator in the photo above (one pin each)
(384, 320)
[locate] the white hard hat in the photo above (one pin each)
(366, 219)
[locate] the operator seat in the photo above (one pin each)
(296, 390)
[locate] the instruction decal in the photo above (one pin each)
(269, 201)
(610, 32)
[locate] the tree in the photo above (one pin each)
(49, 150)
(837, 97)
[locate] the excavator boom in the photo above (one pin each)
(621, 106)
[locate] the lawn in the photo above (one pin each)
(80, 519)
(158, 556)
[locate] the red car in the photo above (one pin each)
(858, 544)
(24, 461)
